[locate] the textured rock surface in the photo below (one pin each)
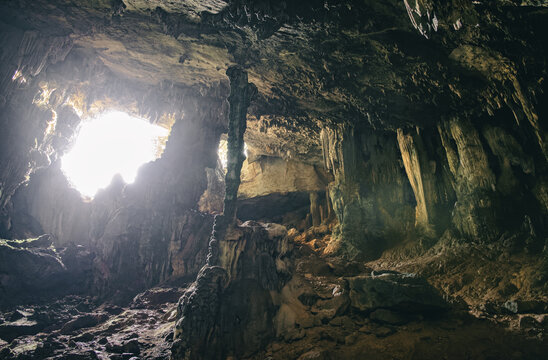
(370, 194)
(315, 317)
(401, 291)
(76, 328)
(141, 234)
(228, 310)
(429, 119)
(241, 94)
(274, 175)
(415, 104)
(33, 270)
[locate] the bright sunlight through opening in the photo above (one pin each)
(113, 143)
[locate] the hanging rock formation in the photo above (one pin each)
(228, 310)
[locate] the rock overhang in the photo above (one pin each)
(359, 63)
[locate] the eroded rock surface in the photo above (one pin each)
(228, 310)
(77, 328)
(32, 269)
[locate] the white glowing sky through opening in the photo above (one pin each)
(113, 143)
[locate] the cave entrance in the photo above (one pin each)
(222, 151)
(112, 143)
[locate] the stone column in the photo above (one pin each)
(241, 93)
(315, 209)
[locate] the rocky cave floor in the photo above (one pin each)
(324, 311)
(74, 328)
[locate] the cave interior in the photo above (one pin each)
(320, 179)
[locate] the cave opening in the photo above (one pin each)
(222, 151)
(112, 143)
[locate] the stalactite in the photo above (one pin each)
(241, 93)
(315, 209)
(420, 172)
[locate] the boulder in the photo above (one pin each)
(81, 322)
(33, 270)
(132, 347)
(402, 292)
(86, 355)
(12, 330)
(525, 307)
(383, 331)
(315, 355)
(388, 317)
(155, 297)
(26, 270)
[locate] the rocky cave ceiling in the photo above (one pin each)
(385, 63)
